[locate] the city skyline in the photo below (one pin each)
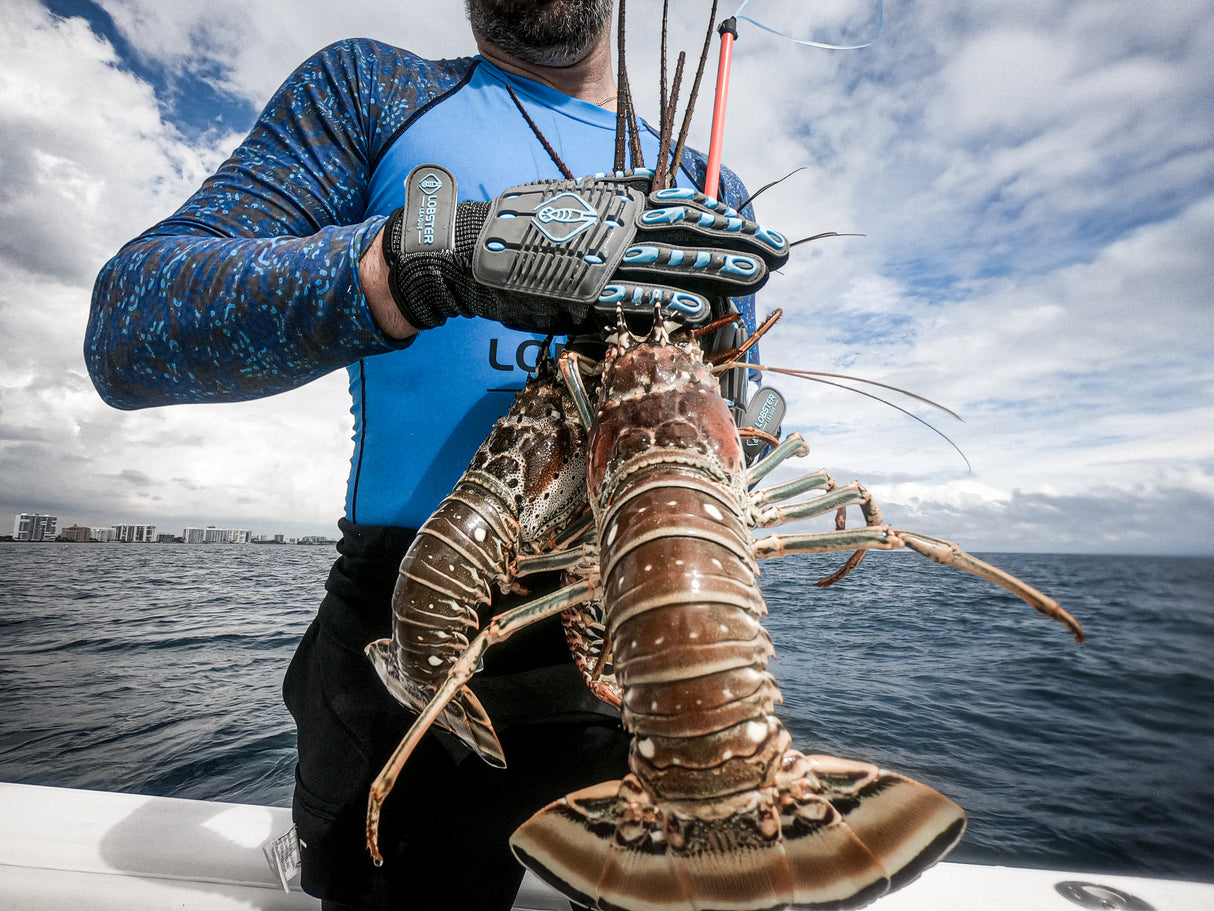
(148, 532)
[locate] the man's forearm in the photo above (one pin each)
(194, 319)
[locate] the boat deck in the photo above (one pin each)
(63, 848)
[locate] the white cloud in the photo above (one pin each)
(1035, 183)
(89, 163)
(248, 52)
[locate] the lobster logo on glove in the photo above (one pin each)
(564, 217)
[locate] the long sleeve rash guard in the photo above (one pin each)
(252, 286)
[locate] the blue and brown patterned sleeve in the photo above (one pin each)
(251, 287)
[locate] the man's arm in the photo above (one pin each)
(254, 286)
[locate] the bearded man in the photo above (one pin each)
(294, 260)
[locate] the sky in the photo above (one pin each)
(1033, 182)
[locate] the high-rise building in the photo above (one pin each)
(135, 534)
(34, 527)
(213, 535)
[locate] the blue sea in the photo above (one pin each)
(155, 669)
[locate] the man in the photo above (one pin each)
(292, 261)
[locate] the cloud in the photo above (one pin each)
(83, 139)
(247, 53)
(89, 162)
(1034, 182)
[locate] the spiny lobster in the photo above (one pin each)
(719, 812)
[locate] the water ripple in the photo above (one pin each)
(157, 669)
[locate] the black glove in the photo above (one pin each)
(559, 256)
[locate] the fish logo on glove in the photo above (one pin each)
(564, 217)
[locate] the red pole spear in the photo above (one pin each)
(712, 179)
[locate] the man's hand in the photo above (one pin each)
(559, 256)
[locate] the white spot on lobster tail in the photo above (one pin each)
(434, 661)
(712, 510)
(756, 731)
(646, 747)
(479, 534)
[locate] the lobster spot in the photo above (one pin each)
(678, 434)
(632, 441)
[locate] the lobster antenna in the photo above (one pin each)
(625, 114)
(677, 155)
(805, 240)
(664, 166)
(820, 377)
(815, 374)
(767, 186)
(634, 132)
(621, 79)
(662, 60)
(732, 354)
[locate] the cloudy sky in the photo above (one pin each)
(1034, 181)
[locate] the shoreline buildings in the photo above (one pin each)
(43, 527)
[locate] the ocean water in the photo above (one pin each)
(156, 669)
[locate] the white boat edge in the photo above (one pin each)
(67, 848)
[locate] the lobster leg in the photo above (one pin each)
(794, 445)
(944, 552)
(874, 535)
(499, 629)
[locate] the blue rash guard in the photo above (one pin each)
(252, 287)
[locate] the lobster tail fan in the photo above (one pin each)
(566, 844)
(847, 835)
(572, 845)
(464, 716)
(907, 824)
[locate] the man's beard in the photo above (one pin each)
(543, 32)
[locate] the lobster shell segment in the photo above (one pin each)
(718, 812)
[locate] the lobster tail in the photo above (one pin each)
(526, 479)
(835, 845)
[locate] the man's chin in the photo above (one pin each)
(555, 33)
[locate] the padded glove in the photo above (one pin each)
(559, 256)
